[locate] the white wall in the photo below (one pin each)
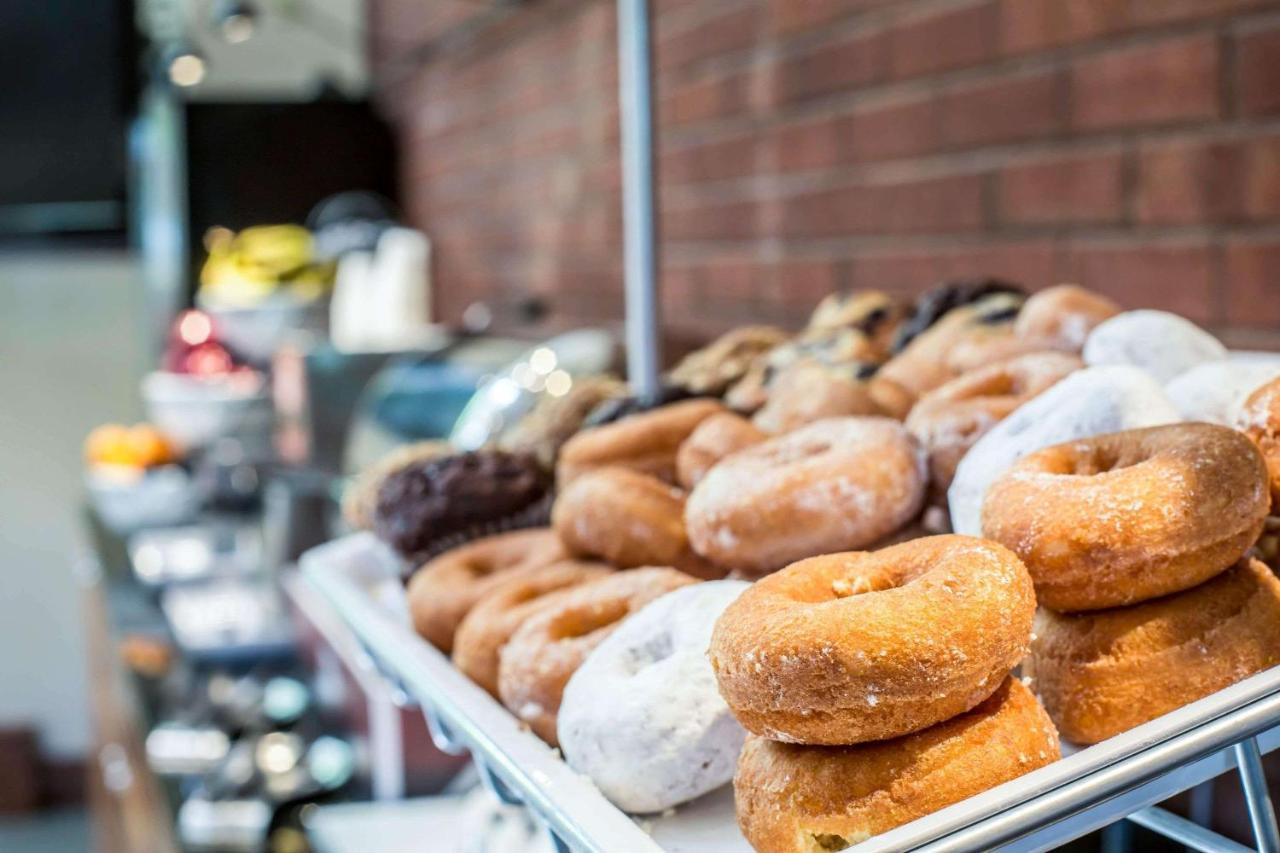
(71, 352)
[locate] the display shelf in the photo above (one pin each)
(1086, 790)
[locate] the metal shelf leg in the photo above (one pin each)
(1261, 813)
(1183, 831)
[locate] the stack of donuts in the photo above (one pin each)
(869, 524)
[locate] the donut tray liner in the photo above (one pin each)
(1088, 789)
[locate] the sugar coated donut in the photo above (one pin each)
(809, 391)
(445, 589)
(951, 418)
(977, 352)
(1217, 390)
(1259, 417)
(1089, 402)
(1063, 315)
(645, 442)
(712, 440)
(489, 625)
(864, 646)
(922, 365)
(651, 679)
(1104, 672)
(808, 799)
(544, 652)
(833, 485)
(1161, 343)
(628, 519)
(1128, 516)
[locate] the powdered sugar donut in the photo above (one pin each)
(835, 485)
(1164, 344)
(1215, 391)
(1089, 402)
(651, 679)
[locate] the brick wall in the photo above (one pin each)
(805, 145)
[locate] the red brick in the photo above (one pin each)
(1029, 25)
(796, 285)
(1176, 276)
(1252, 272)
(728, 220)
(1258, 72)
(931, 205)
(816, 144)
(1063, 189)
(899, 272)
(1002, 110)
(716, 160)
(848, 63)
(720, 34)
(943, 40)
(1190, 181)
(883, 129)
(1152, 12)
(708, 98)
(1169, 81)
(1029, 262)
(790, 16)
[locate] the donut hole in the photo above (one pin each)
(823, 841)
(862, 583)
(654, 651)
(578, 623)
(480, 567)
(1102, 458)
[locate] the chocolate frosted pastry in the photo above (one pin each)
(712, 369)
(430, 506)
(360, 499)
(933, 305)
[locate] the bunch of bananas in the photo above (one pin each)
(245, 269)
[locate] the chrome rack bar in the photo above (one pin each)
(1261, 813)
(1185, 832)
(640, 246)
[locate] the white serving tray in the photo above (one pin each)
(1088, 789)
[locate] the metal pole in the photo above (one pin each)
(1261, 813)
(640, 248)
(1185, 832)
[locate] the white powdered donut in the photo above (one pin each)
(1089, 402)
(1215, 391)
(642, 717)
(1163, 344)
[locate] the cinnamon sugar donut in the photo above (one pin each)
(544, 652)
(445, 589)
(951, 418)
(645, 442)
(1128, 516)
(1104, 672)
(629, 519)
(807, 799)
(978, 351)
(1259, 418)
(865, 646)
(712, 440)
(1063, 316)
(834, 485)
(489, 624)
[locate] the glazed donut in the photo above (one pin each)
(809, 391)
(807, 799)
(712, 440)
(1063, 316)
(1124, 517)
(489, 624)
(865, 646)
(651, 679)
(445, 589)
(628, 519)
(834, 485)
(951, 418)
(981, 350)
(645, 442)
(1259, 418)
(1104, 672)
(544, 652)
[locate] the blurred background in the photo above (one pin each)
(242, 242)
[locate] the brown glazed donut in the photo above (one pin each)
(808, 799)
(834, 485)
(1123, 517)
(1260, 420)
(922, 365)
(1104, 672)
(952, 417)
(445, 589)
(809, 391)
(980, 350)
(646, 442)
(1062, 316)
(864, 646)
(714, 439)
(489, 625)
(548, 648)
(628, 519)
